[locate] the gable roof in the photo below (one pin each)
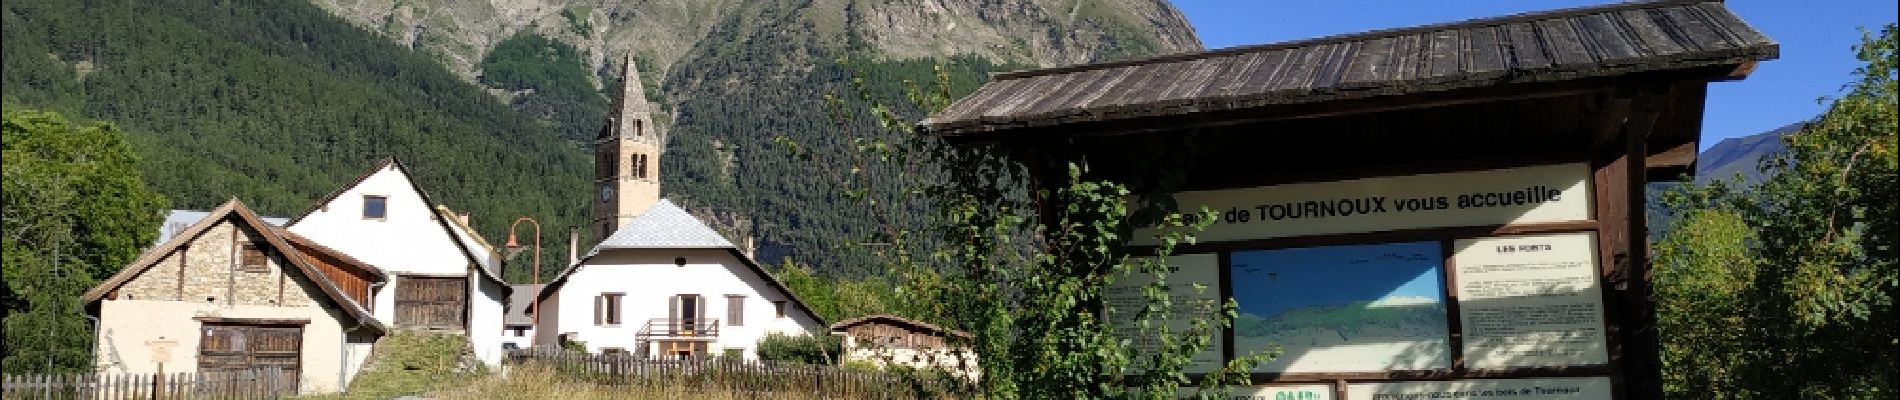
(663, 226)
(480, 264)
(896, 320)
(1567, 44)
(241, 215)
(666, 226)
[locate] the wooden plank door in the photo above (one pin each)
(232, 347)
(431, 302)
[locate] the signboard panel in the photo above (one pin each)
(1186, 271)
(1546, 193)
(1530, 301)
(1591, 388)
(1351, 308)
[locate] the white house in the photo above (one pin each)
(666, 285)
(441, 274)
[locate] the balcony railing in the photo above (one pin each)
(680, 328)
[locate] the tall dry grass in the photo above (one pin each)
(535, 381)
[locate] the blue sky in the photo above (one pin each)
(1816, 39)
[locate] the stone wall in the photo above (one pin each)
(208, 266)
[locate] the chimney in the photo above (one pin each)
(463, 217)
(751, 249)
(573, 245)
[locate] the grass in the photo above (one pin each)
(537, 382)
(411, 363)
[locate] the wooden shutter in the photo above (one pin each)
(699, 309)
(597, 300)
(673, 309)
(735, 310)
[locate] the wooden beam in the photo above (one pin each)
(1682, 155)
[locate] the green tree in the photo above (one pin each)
(76, 210)
(969, 247)
(1787, 289)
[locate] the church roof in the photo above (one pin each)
(664, 226)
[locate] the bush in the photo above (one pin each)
(803, 349)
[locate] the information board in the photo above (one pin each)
(1545, 193)
(1530, 301)
(1591, 388)
(1186, 271)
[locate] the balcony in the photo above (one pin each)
(668, 328)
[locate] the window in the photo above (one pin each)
(640, 166)
(607, 309)
(253, 258)
(779, 308)
(375, 207)
(735, 310)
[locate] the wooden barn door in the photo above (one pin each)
(431, 302)
(237, 346)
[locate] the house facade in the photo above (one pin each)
(441, 273)
(231, 293)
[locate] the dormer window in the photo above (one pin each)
(375, 207)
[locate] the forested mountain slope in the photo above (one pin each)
(278, 103)
(730, 76)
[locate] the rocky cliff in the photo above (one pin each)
(730, 77)
(1034, 32)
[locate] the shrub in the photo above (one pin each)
(803, 349)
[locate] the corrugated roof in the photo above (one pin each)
(1558, 45)
(663, 226)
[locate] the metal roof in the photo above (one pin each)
(663, 226)
(1558, 45)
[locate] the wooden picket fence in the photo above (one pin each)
(761, 379)
(236, 385)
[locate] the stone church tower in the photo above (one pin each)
(626, 157)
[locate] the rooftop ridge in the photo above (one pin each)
(1355, 36)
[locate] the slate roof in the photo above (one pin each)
(664, 226)
(667, 226)
(1557, 45)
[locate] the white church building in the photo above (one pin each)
(661, 283)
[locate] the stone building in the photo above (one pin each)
(232, 293)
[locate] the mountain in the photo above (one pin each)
(1731, 158)
(491, 101)
(1741, 155)
(279, 103)
(731, 76)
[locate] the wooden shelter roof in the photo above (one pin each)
(1549, 46)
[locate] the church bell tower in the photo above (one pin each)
(626, 157)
